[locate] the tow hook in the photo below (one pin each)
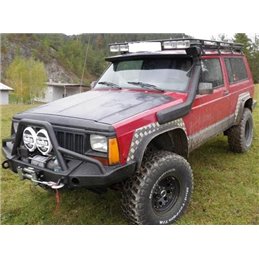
(5, 164)
(29, 174)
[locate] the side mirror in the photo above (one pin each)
(93, 84)
(205, 88)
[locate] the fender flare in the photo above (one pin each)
(144, 135)
(242, 99)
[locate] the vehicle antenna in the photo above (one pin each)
(86, 53)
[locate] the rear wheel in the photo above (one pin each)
(240, 137)
(160, 191)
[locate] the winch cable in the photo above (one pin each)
(57, 200)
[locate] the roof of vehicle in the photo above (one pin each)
(144, 54)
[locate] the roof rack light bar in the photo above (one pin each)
(176, 44)
(119, 47)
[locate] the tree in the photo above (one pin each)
(247, 43)
(222, 37)
(255, 59)
(255, 65)
(27, 77)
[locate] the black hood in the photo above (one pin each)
(104, 106)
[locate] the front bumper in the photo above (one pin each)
(77, 171)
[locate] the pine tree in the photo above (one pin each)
(247, 43)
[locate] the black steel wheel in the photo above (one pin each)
(166, 193)
(160, 191)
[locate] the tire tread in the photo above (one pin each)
(236, 139)
(134, 188)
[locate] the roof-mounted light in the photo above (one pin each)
(210, 43)
(225, 44)
(182, 44)
(114, 48)
(119, 48)
(124, 48)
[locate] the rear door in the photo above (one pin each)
(239, 79)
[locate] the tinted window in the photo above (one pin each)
(129, 65)
(165, 73)
(236, 69)
(211, 72)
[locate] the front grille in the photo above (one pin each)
(73, 141)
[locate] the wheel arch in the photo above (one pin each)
(249, 104)
(244, 101)
(174, 140)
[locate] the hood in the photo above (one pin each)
(105, 106)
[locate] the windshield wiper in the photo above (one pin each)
(146, 85)
(109, 84)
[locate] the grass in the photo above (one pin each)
(226, 190)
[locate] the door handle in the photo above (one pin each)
(225, 92)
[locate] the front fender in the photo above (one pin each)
(144, 135)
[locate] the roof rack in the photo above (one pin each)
(179, 44)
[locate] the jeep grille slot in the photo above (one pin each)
(72, 141)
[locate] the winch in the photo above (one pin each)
(49, 162)
(30, 174)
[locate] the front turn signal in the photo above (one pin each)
(113, 149)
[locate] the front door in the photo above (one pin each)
(210, 113)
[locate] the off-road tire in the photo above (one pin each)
(138, 194)
(240, 137)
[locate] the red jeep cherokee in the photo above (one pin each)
(157, 101)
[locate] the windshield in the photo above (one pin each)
(163, 74)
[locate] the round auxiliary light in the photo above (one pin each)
(29, 139)
(43, 142)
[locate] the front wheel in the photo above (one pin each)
(160, 191)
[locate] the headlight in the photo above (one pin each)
(98, 143)
(29, 138)
(43, 142)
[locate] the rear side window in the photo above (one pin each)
(236, 69)
(211, 72)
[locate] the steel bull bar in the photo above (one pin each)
(77, 171)
(56, 148)
(26, 171)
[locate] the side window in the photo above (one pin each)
(236, 69)
(211, 72)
